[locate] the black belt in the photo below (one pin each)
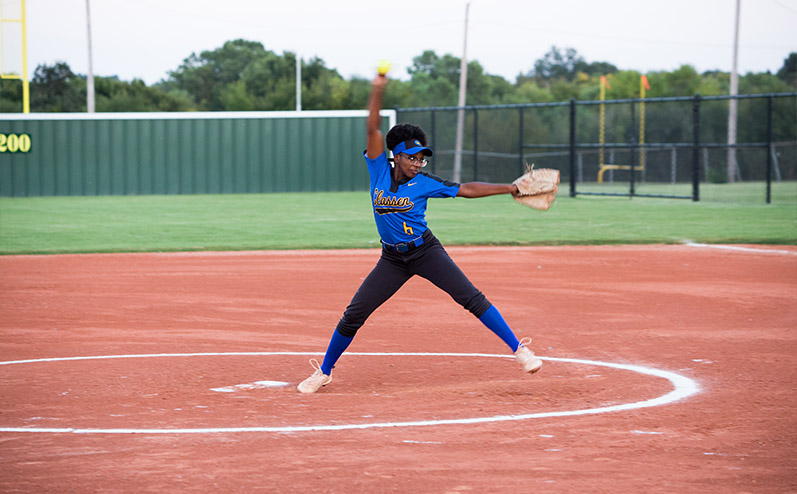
(403, 246)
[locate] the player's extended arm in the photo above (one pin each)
(482, 189)
(375, 145)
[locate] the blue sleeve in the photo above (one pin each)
(439, 187)
(376, 163)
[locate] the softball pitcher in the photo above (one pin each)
(399, 193)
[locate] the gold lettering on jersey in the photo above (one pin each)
(408, 229)
(388, 205)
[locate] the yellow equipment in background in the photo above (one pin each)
(643, 85)
(24, 46)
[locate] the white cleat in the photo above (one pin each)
(315, 381)
(526, 357)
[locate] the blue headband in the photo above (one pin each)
(412, 147)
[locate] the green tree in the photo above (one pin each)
(242, 75)
(431, 91)
(323, 88)
(788, 73)
(10, 96)
(436, 67)
(684, 81)
(594, 68)
(557, 64)
(234, 97)
(113, 95)
(55, 88)
(753, 112)
(205, 76)
(528, 91)
(360, 88)
(271, 80)
(435, 82)
(763, 83)
(566, 64)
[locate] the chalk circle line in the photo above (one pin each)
(683, 387)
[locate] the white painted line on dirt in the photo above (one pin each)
(683, 388)
(743, 249)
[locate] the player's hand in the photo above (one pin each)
(380, 82)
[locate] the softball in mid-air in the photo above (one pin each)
(383, 67)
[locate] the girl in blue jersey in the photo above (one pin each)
(399, 192)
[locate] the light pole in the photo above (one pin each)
(90, 77)
(463, 83)
(298, 81)
(732, 166)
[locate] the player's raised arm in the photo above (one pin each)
(376, 143)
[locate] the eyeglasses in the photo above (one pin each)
(415, 161)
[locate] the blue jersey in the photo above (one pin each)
(400, 208)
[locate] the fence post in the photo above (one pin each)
(634, 150)
(520, 141)
(475, 145)
(572, 147)
(434, 141)
(769, 146)
(696, 148)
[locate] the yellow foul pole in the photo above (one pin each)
(602, 126)
(643, 85)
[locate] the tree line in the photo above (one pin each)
(243, 75)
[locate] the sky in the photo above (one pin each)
(145, 39)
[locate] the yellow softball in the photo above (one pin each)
(383, 67)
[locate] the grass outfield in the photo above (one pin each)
(48, 225)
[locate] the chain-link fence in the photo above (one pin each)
(648, 147)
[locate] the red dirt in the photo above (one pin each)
(723, 318)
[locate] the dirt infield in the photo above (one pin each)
(189, 350)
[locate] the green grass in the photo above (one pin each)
(46, 225)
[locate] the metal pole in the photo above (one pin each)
(522, 167)
(298, 82)
(769, 146)
(572, 147)
(732, 166)
(634, 151)
(90, 77)
(463, 82)
(475, 145)
(696, 148)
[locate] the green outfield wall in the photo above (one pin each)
(183, 153)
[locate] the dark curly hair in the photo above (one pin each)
(404, 132)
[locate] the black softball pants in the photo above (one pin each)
(430, 261)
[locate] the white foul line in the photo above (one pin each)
(683, 388)
(742, 249)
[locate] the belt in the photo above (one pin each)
(403, 246)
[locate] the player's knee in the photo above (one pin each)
(478, 304)
(347, 329)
